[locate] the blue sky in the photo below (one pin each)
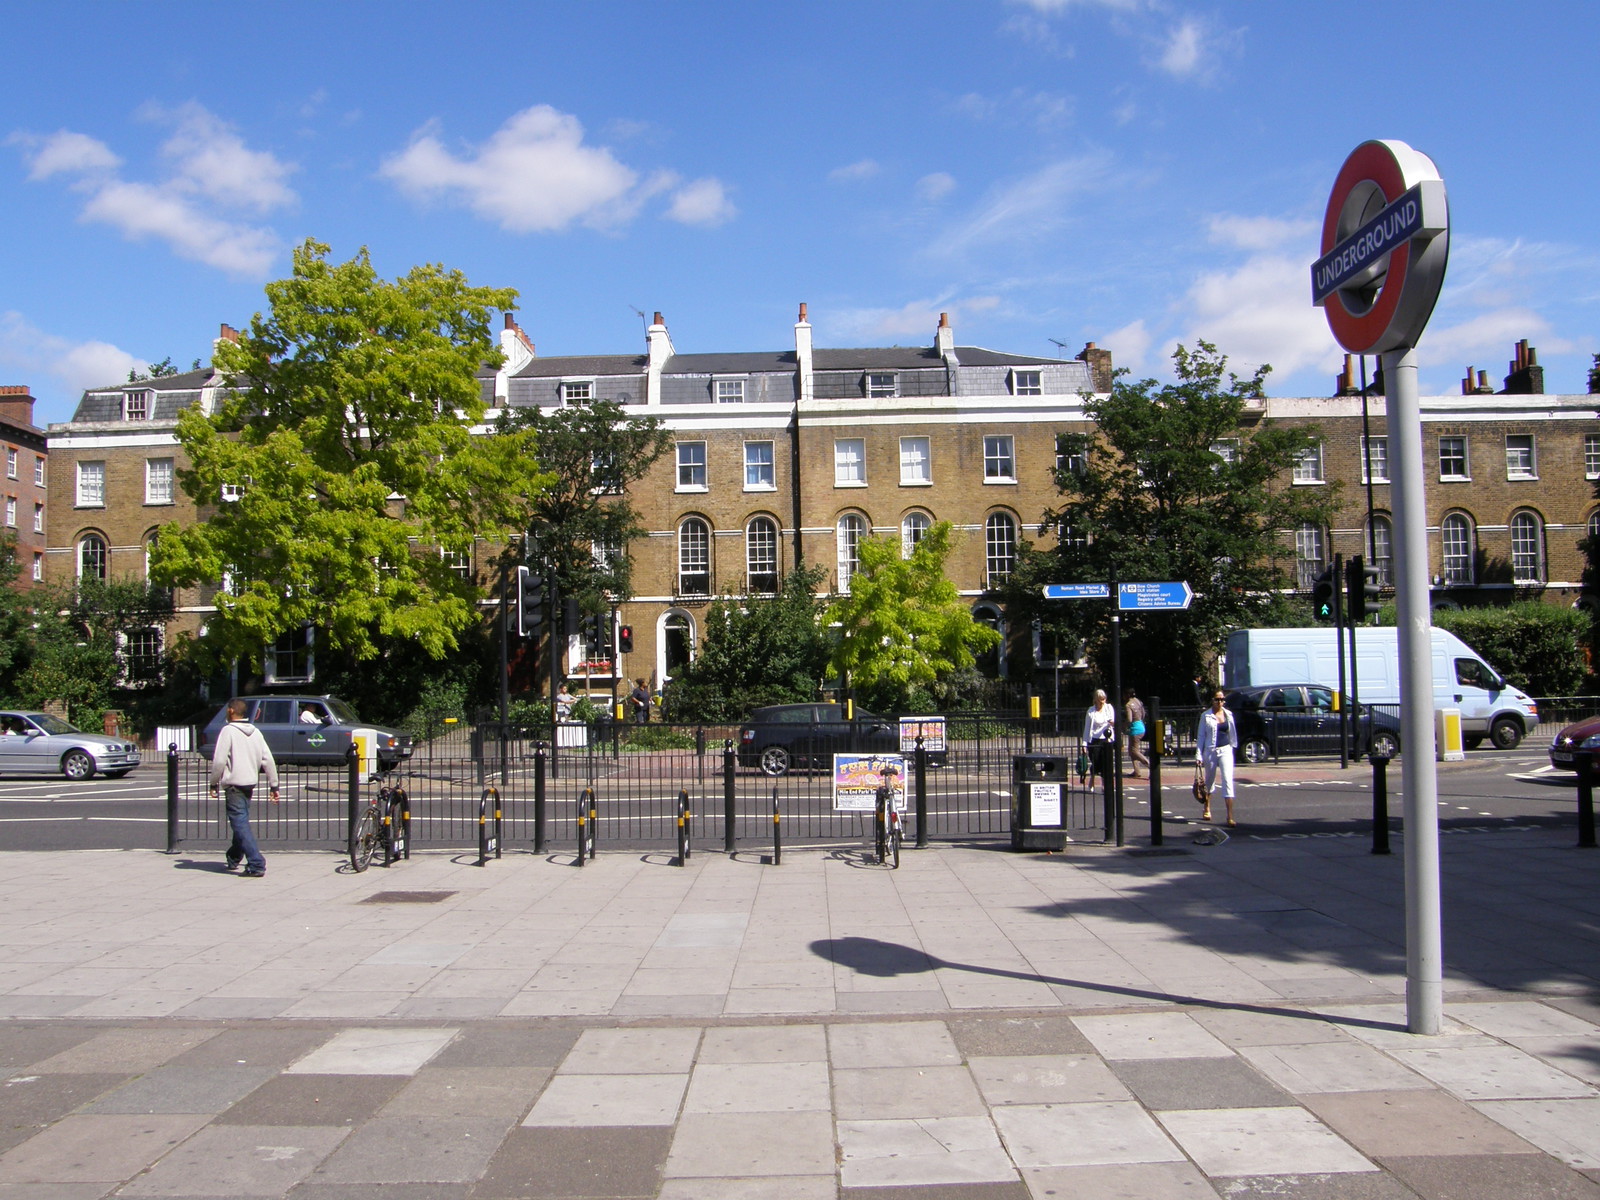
(1130, 172)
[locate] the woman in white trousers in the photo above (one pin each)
(1219, 737)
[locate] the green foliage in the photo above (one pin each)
(158, 370)
(1594, 375)
(593, 452)
(404, 679)
(1535, 646)
(352, 390)
(656, 737)
(439, 700)
(1153, 500)
(903, 625)
(755, 651)
(14, 617)
(529, 714)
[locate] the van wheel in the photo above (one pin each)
(1255, 751)
(1385, 744)
(775, 760)
(1505, 733)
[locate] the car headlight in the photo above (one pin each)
(1590, 742)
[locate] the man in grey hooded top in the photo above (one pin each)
(236, 764)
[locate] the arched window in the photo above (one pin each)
(852, 528)
(675, 645)
(1527, 548)
(694, 558)
(913, 528)
(991, 663)
(1455, 538)
(1380, 550)
(1000, 548)
(761, 556)
(1594, 523)
(93, 557)
(1308, 555)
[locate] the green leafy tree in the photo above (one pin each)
(903, 625)
(755, 651)
(1173, 484)
(1533, 644)
(593, 451)
(1594, 375)
(343, 483)
(158, 370)
(14, 633)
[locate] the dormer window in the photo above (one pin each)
(232, 493)
(882, 385)
(730, 391)
(577, 391)
(136, 405)
(1027, 383)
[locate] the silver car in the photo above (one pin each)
(35, 743)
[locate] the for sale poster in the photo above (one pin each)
(857, 778)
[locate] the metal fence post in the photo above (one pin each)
(922, 794)
(172, 798)
(1380, 803)
(1585, 765)
(538, 798)
(728, 813)
(683, 827)
(777, 829)
(1153, 769)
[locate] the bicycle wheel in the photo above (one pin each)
(398, 831)
(369, 836)
(880, 835)
(894, 845)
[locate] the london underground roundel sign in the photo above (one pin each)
(1385, 240)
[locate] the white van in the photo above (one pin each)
(1490, 707)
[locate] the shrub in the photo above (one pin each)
(1535, 646)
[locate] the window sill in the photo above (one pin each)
(1005, 480)
(1455, 479)
(1308, 483)
(159, 503)
(760, 487)
(850, 483)
(1522, 479)
(81, 505)
(916, 483)
(697, 488)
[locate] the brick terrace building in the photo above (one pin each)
(22, 487)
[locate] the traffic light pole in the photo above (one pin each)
(1338, 642)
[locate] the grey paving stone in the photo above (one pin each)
(1088, 1134)
(1476, 1072)
(1007, 1036)
(239, 1160)
(780, 1187)
(1045, 1079)
(30, 1102)
(1120, 1181)
(1186, 1083)
(314, 1100)
(730, 1145)
(324, 1189)
(928, 1150)
(892, 1044)
(1151, 1035)
(52, 1191)
(416, 1150)
(559, 1163)
(1523, 1018)
(1488, 1177)
(764, 1044)
(596, 1100)
(1331, 1067)
(503, 1047)
(1568, 1129)
(665, 1051)
(758, 1087)
(1242, 1027)
(1371, 1185)
(1261, 1141)
(1412, 1123)
(24, 1043)
(132, 1050)
(468, 1092)
(82, 1149)
(886, 1093)
(183, 1090)
(397, 1050)
(253, 1046)
(939, 1191)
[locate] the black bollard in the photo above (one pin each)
(172, 798)
(777, 829)
(353, 796)
(922, 794)
(538, 798)
(728, 813)
(1380, 803)
(1154, 741)
(683, 827)
(1585, 765)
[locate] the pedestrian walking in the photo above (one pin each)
(564, 702)
(1219, 736)
(1133, 714)
(639, 699)
(1099, 736)
(240, 757)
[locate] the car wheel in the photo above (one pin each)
(75, 764)
(775, 761)
(1385, 744)
(1505, 733)
(1255, 750)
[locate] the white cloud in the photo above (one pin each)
(1261, 312)
(189, 210)
(76, 365)
(65, 152)
(1183, 55)
(1129, 346)
(1051, 8)
(865, 169)
(1027, 207)
(935, 187)
(1264, 233)
(702, 202)
(213, 161)
(914, 321)
(1488, 339)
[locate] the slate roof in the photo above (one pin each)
(172, 394)
(584, 364)
(751, 363)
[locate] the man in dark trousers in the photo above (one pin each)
(236, 764)
(639, 698)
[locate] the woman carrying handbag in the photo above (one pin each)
(1219, 735)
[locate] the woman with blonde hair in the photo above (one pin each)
(1099, 736)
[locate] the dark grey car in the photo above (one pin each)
(1296, 718)
(309, 730)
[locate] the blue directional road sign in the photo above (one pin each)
(1077, 591)
(1149, 596)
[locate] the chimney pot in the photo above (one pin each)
(658, 320)
(802, 310)
(944, 320)
(228, 333)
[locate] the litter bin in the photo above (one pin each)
(1038, 801)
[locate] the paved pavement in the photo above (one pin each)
(1196, 1021)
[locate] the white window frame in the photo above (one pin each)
(728, 391)
(38, 568)
(11, 462)
(914, 527)
(308, 649)
(852, 527)
(916, 462)
(1380, 548)
(1308, 466)
(1021, 385)
(1309, 554)
(1456, 553)
(1527, 550)
(1514, 468)
(849, 462)
(126, 652)
(693, 473)
(158, 471)
(1463, 457)
(1375, 460)
(1226, 449)
(761, 555)
(38, 518)
(576, 391)
(999, 458)
(999, 547)
(11, 512)
(38, 470)
(694, 555)
(459, 561)
(759, 475)
(105, 556)
(137, 404)
(881, 385)
(91, 489)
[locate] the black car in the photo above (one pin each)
(784, 737)
(1301, 718)
(309, 730)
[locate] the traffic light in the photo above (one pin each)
(1322, 595)
(625, 639)
(530, 601)
(1361, 589)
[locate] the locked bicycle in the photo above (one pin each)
(385, 824)
(888, 826)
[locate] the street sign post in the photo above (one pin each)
(1153, 597)
(1077, 591)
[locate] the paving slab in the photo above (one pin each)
(1189, 1083)
(108, 1148)
(1046, 1079)
(601, 1100)
(559, 1163)
(759, 1087)
(385, 1051)
(1412, 1123)
(1261, 1141)
(314, 1100)
(1489, 1177)
(752, 1144)
(239, 1160)
(1568, 1129)
(1087, 1134)
(931, 1150)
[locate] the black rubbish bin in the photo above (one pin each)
(1039, 801)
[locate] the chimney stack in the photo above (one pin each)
(228, 333)
(16, 404)
(802, 355)
(1527, 376)
(1100, 369)
(658, 345)
(944, 338)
